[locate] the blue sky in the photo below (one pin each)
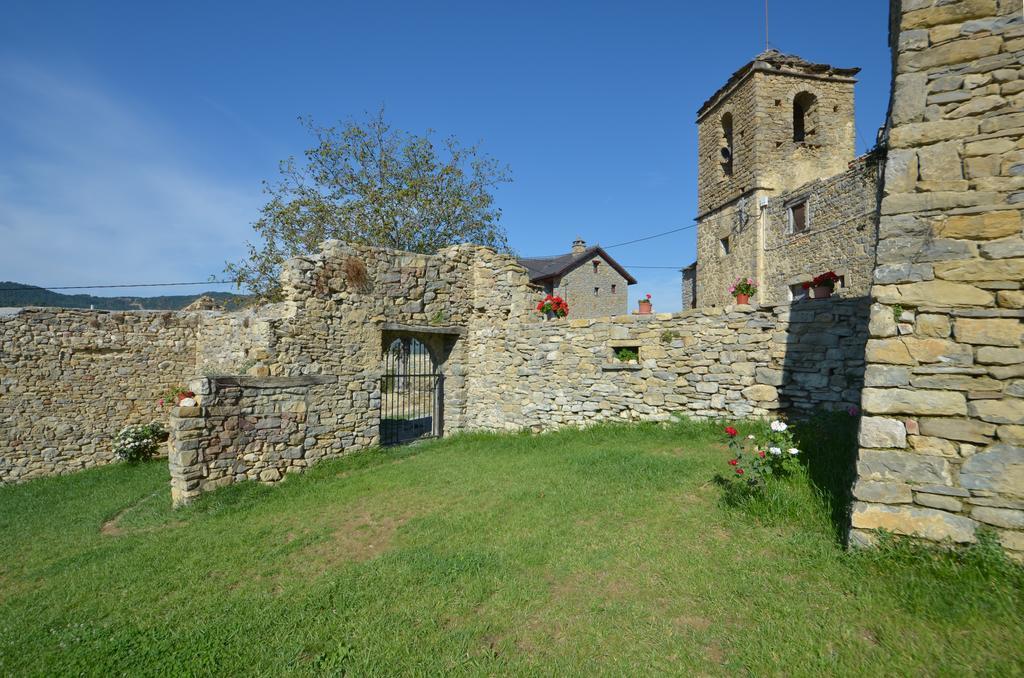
(134, 136)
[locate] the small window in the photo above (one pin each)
(613, 289)
(798, 221)
(797, 292)
(597, 291)
(596, 263)
(724, 244)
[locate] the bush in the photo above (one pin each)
(139, 442)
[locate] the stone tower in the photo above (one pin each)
(777, 124)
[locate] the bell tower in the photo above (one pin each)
(776, 124)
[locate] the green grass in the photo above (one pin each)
(604, 551)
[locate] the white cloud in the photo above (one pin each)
(94, 190)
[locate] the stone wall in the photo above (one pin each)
(71, 379)
(246, 428)
(942, 445)
(841, 232)
(731, 362)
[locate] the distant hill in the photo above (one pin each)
(39, 296)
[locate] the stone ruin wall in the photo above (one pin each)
(942, 442)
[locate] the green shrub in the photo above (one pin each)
(139, 442)
(626, 355)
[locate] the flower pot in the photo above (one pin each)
(822, 292)
(645, 307)
(742, 298)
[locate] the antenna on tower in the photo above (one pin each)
(766, 25)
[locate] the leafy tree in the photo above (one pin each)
(366, 182)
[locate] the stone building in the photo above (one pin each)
(593, 284)
(781, 197)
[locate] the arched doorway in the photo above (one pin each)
(410, 392)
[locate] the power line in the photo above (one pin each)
(650, 237)
(100, 287)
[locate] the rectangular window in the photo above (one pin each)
(597, 290)
(724, 243)
(798, 221)
(798, 293)
(613, 289)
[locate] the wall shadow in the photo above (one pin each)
(822, 381)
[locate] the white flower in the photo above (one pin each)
(794, 451)
(750, 437)
(779, 426)
(187, 402)
(774, 450)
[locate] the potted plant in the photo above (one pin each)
(627, 355)
(553, 307)
(743, 289)
(822, 286)
(645, 305)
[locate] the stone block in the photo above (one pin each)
(938, 447)
(980, 269)
(968, 430)
(1012, 434)
(909, 95)
(931, 524)
(920, 133)
(932, 325)
(1010, 299)
(933, 293)
(882, 432)
(989, 331)
(993, 355)
(886, 375)
(898, 401)
(881, 323)
(883, 493)
(985, 226)
(904, 467)
(1004, 411)
(1000, 517)
(939, 162)
(999, 469)
(761, 392)
(888, 351)
(938, 501)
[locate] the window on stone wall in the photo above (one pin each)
(613, 289)
(804, 108)
(596, 263)
(597, 291)
(798, 217)
(798, 293)
(724, 245)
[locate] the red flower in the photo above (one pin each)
(761, 454)
(739, 471)
(733, 462)
(648, 296)
(731, 432)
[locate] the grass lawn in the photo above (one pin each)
(604, 551)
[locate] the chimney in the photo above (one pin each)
(579, 245)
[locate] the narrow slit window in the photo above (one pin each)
(613, 289)
(724, 244)
(597, 291)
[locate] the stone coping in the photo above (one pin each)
(423, 329)
(621, 367)
(271, 382)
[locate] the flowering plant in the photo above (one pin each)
(756, 459)
(648, 297)
(829, 280)
(555, 305)
(139, 442)
(745, 286)
(175, 396)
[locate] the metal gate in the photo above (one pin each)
(410, 393)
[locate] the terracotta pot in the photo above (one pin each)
(822, 292)
(645, 307)
(742, 298)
